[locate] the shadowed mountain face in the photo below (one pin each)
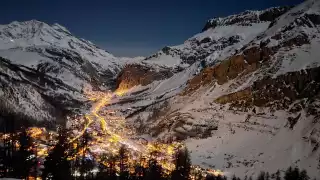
(243, 94)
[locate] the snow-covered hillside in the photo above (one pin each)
(36, 33)
(44, 69)
(256, 104)
(220, 37)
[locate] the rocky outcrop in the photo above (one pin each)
(249, 61)
(279, 92)
(245, 96)
(137, 74)
(254, 55)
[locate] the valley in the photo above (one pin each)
(242, 95)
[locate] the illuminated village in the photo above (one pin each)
(108, 134)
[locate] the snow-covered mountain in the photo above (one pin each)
(243, 94)
(255, 105)
(45, 68)
(219, 37)
(35, 33)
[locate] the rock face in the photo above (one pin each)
(241, 64)
(279, 92)
(137, 74)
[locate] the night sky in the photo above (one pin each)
(130, 27)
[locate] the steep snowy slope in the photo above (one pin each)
(44, 69)
(256, 107)
(36, 33)
(220, 36)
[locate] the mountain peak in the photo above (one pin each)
(27, 30)
(33, 29)
(30, 23)
(247, 18)
(60, 28)
(34, 33)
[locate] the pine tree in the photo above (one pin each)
(267, 176)
(107, 168)
(7, 123)
(85, 164)
(296, 173)
(139, 172)
(304, 175)
(123, 159)
(154, 171)
(182, 165)
(278, 175)
(219, 177)
(261, 176)
(112, 168)
(56, 164)
(292, 174)
(234, 177)
(288, 174)
(23, 160)
(225, 178)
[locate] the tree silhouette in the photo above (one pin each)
(261, 176)
(139, 172)
(123, 159)
(154, 171)
(304, 175)
(234, 177)
(278, 175)
(182, 165)
(107, 167)
(112, 167)
(295, 174)
(267, 176)
(23, 160)
(56, 164)
(86, 164)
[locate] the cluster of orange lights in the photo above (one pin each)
(108, 133)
